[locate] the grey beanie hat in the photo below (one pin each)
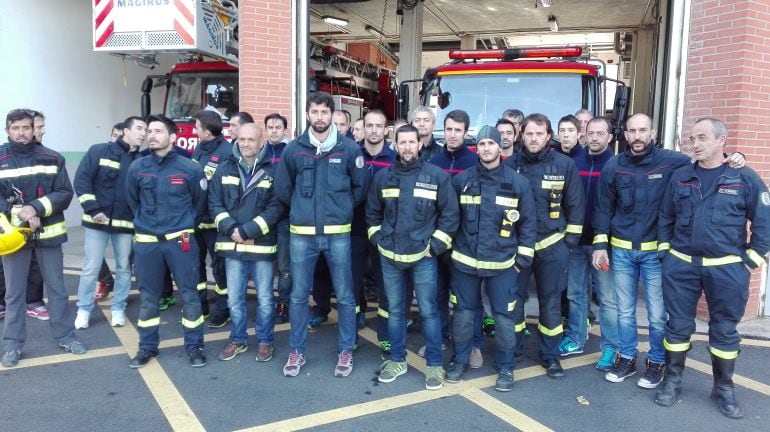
(488, 132)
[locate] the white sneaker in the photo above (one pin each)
(81, 321)
(118, 318)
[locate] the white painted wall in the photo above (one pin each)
(48, 64)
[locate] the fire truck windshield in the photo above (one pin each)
(485, 96)
(189, 93)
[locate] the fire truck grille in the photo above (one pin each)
(169, 38)
(133, 39)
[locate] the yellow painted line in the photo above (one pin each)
(170, 401)
(504, 412)
(67, 357)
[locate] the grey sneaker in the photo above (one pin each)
(391, 370)
(504, 382)
(434, 377)
(455, 371)
(11, 358)
(74, 347)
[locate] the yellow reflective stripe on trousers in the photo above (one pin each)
(506, 202)
(201, 286)
(470, 199)
(373, 230)
(54, 230)
(548, 241)
(86, 197)
(259, 220)
(242, 247)
(625, 244)
(231, 180)
(383, 313)
(664, 246)
(443, 237)
(523, 250)
(520, 327)
(47, 206)
(220, 291)
(574, 229)
(391, 193)
(727, 355)
(600, 238)
(708, 262)
(152, 322)
(559, 329)
(482, 265)
(109, 163)
(408, 258)
(676, 347)
(755, 257)
(191, 324)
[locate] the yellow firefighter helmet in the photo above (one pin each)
(11, 238)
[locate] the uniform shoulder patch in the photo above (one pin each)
(360, 162)
(766, 198)
(204, 184)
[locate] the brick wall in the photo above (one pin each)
(265, 57)
(728, 77)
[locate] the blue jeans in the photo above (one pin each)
(423, 274)
(580, 273)
(237, 277)
(304, 251)
(628, 266)
(95, 243)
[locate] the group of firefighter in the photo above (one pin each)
(461, 222)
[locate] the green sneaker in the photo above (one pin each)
(385, 349)
(391, 370)
(166, 302)
(434, 378)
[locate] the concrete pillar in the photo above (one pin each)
(642, 62)
(410, 51)
(728, 77)
(468, 42)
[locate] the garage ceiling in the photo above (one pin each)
(449, 20)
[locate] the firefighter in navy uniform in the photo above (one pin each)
(495, 241)
(167, 193)
(212, 149)
(703, 245)
(560, 208)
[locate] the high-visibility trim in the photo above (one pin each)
(664, 246)
(482, 265)
(89, 219)
(220, 291)
(109, 163)
(152, 322)
(554, 205)
(549, 241)
(574, 229)
(260, 221)
(727, 355)
(424, 193)
(242, 247)
(205, 225)
(520, 327)
(507, 202)
(328, 229)
(676, 347)
(526, 251)
(231, 180)
(552, 184)
(470, 199)
(86, 197)
(708, 262)
(265, 184)
(559, 329)
(383, 313)
(191, 324)
(52, 231)
(120, 223)
(452, 299)
(28, 171)
(373, 230)
(149, 238)
(553, 215)
(220, 217)
(600, 238)
(47, 206)
(201, 286)
(758, 259)
(512, 305)
(391, 193)
(625, 244)
(408, 258)
(443, 237)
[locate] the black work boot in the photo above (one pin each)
(723, 393)
(668, 391)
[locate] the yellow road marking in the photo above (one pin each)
(502, 411)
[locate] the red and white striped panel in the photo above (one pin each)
(184, 20)
(104, 21)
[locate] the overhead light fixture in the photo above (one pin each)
(552, 23)
(335, 21)
(375, 31)
(545, 3)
